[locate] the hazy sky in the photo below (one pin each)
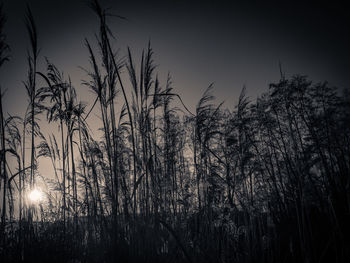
(199, 42)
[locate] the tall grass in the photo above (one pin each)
(265, 182)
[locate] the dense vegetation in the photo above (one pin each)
(266, 182)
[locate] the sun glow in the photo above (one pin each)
(35, 196)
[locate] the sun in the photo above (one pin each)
(35, 196)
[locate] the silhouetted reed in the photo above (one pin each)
(265, 182)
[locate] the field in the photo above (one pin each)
(265, 182)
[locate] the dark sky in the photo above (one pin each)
(229, 43)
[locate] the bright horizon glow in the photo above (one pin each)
(35, 196)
